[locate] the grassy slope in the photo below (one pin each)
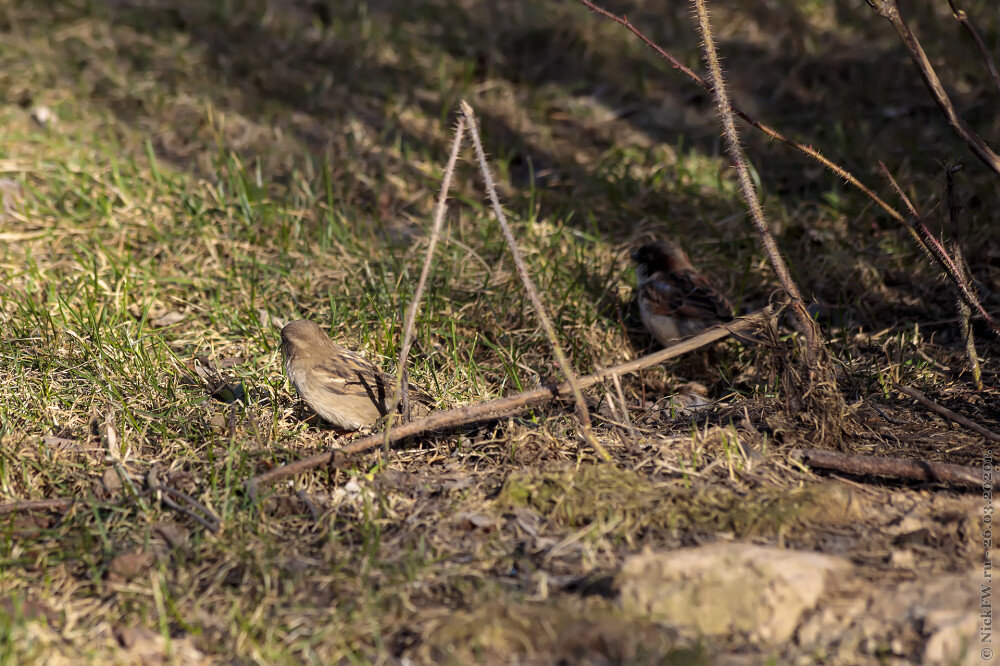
(246, 167)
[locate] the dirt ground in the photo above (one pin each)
(180, 180)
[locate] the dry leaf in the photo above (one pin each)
(110, 436)
(473, 521)
(127, 566)
(59, 443)
(175, 535)
(169, 319)
(111, 481)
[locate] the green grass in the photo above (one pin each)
(242, 164)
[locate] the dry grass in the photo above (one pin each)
(215, 171)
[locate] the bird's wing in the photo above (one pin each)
(352, 373)
(686, 294)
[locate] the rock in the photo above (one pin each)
(723, 588)
(955, 639)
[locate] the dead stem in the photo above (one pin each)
(411, 312)
(889, 10)
(947, 413)
(962, 17)
(529, 286)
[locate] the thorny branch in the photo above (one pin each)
(805, 323)
(809, 151)
(529, 285)
(938, 253)
(889, 10)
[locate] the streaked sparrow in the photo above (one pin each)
(341, 386)
(675, 300)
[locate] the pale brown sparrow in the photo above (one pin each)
(675, 300)
(341, 386)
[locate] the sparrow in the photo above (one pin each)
(341, 386)
(675, 300)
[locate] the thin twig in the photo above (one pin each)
(805, 323)
(895, 468)
(888, 418)
(313, 509)
(411, 312)
(984, 52)
(506, 406)
(930, 244)
(965, 315)
(889, 10)
(212, 523)
(947, 413)
(529, 286)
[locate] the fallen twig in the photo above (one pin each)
(313, 509)
(505, 406)
(212, 523)
(947, 413)
(894, 468)
(529, 285)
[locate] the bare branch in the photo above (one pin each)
(889, 10)
(984, 52)
(811, 152)
(895, 468)
(806, 325)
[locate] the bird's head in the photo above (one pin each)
(664, 255)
